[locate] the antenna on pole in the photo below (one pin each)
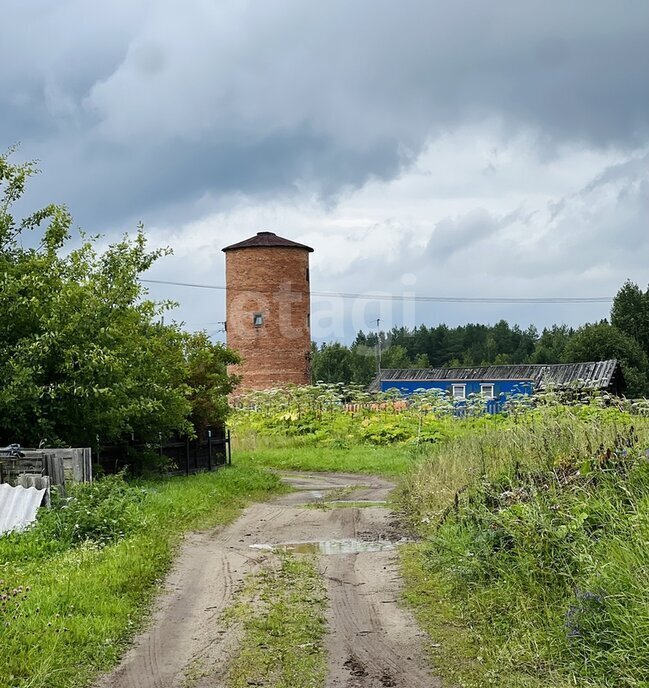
(378, 346)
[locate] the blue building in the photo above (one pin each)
(502, 381)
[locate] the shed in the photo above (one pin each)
(504, 380)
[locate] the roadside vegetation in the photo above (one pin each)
(281, 612)
(75, 587)
(386, 461)
(533, 564)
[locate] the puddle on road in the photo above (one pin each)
(345, 504)
(358, 501)
(347, 546)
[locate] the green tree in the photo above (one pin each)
(363, 363)
(421, 361)
(602, 341)
(395, 357)
(630, 313)
(332, 363)
(551, 345)
(208, 380)
(83, 353)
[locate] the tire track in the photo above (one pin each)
(372, 642)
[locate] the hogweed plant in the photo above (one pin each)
(337, 414)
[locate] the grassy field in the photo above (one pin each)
(74, 588)
(532, 563)
(533, 567)
(387, 461)
(312, 429)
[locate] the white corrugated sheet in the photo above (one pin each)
(18, 506)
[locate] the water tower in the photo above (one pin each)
(268, 310)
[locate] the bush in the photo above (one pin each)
(101, 512)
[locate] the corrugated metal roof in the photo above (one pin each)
(267, 240)
(595, 374)
(18, 506)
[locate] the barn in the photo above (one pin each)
(501, 381)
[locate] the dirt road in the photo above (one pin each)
(372, 641)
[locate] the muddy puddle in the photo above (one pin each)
(363, 502)
(346, 546)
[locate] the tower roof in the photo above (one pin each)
(267, 240)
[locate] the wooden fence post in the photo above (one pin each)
(54, 469)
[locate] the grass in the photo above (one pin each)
(69, 605)
(453, 652)
(282, 613)
(386, 461)
(533, 566)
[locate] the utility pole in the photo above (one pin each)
(378, 346)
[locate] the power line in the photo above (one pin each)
(405, 297)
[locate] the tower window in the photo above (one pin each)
(258, 319)
(308, 277)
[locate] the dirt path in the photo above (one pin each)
(372, 641)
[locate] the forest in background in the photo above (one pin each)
(624, 336)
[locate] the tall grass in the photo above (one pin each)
(342, 428)
(74, 588)
(535, 545)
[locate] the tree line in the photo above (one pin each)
(624, 336)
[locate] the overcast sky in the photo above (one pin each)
(437, 148)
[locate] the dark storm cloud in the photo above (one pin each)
(142, 181)
(134, 108)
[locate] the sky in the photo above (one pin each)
(429, 148)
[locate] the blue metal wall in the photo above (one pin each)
(501, 387)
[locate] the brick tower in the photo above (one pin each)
(268, 309)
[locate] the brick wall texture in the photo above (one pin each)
(271, 282)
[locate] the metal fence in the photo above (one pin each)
(181, 456)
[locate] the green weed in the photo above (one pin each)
(342, 417)
(283, 620)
